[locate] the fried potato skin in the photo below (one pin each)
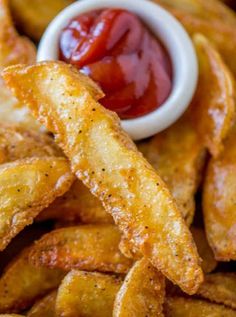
(219, 288)
(183, 307)
(219, 201)
(22, 283)
(87, 294)
(179, 157)
(213, 113)
(124, 182)
(45, 307)
(26, 187)
(32, 17)
(88, 247)
(17, 142)
(142, 292)
(77, 205)
(208, 261)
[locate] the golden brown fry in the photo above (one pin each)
(142, 292)
(26, 187)
(117, 174)
(76, 205)
(16, 142)
(211, 18)
(219, 288)
(213, 112)
(219, 201)
(32, 17)
(184, 307)
(88, 247)
(87, 294)
(22, 283)
(179, 157)
(44, 307)
(14, 49)
(208, 261)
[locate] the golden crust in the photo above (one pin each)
(26, 187)
(117, 173)
(88, 247)
(45, 307)
(87, 294)
(142, 292)
(22, 283)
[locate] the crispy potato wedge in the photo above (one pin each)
(211, 18)
(87, 294)
(126, 184)
(10, 315)
(44, 307)
(76, 205)
(213, 113)
(179, 157)
(22, 283)
(142, 292)
(219, 201)
(32, 17)
(208, 261)
(14, 49)
(26, 187)
(17, 142)
(184, 307)
(219, 288)
(88, 247)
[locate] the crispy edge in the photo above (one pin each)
(142, 292)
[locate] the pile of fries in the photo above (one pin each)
(94, 225)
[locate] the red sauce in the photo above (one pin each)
(116, 50)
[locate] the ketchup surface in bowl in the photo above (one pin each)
(116, 50)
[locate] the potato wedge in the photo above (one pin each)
(213, 113)
(219, 201)
(14, 49)
(142, 292)
(26, 187)
(76, 205)
(88, 247)
(17, 142)
(179, 157)
(219, 288)
(87, 294)
(208, 261)
(44, 307)
(126, 184)
(210, 18)
(32, 17)
(22, 283)
(10, 315)
(184, 307)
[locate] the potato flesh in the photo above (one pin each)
(22, 283)
(87, 294)
(183, 307)
(88, 247)
(26, 187)
(142, 292)
(116, 172)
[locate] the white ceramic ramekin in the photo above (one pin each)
(172, 35)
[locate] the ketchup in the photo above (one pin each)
(116, 50)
